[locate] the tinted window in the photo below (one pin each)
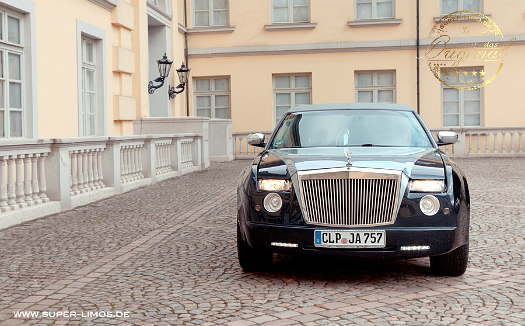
(344, 128)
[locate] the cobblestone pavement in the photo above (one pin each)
(167, 255)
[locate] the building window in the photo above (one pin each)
(290, 91)
(291, 11)
(11, 76)
(375, 86)
(89, 94)
(448, 6)
(461, 108)
(374, 9)
(92, 83)
(212, 97)
(211, 13)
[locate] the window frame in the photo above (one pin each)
(210, 14)
(374, 10)
(460, 6)
(290, 13)
(93, 67)
(7, 48)
(291, 90)
(375, 87)
(461, 107)
(212, 93)
(98, 37)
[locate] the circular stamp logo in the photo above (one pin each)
(475, 44)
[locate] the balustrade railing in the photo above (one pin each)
(163, 157)
(23, 176)
(86, 170)
(80, 170)
(241, 147)
(131, 162)
(186, 153)
(486, 141)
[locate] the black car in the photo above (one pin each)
(357, 180)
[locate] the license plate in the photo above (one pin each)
(350, 239)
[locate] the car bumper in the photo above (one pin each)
(440, 240)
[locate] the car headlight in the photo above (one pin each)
(426, 185)
(274, 185)
(273, 202)
(429, 205)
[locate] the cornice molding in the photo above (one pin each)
(159, 14)
(106, 4)
(364, 46)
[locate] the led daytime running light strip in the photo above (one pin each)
(282, 244)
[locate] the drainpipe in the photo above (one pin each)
(186, 57)
(417, 55)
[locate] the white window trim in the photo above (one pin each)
(99, 36)
(212, 93)
(290, 14)
(210, 15)
(481, 6)
(25, 9)
(292, 91)
(461, 105)
(375, 87)
(374, 11)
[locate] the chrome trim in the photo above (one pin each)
(350, 196)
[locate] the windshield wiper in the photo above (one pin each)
(372, 145)
(375, 145)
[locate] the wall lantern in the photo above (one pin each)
(164, 71)
(183, 73)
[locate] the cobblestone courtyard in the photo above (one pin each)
(167, 255)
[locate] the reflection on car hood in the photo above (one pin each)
(415, 162)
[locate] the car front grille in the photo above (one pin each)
(354, 197)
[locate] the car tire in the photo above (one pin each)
(250, 259)
(453, 263)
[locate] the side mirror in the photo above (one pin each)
(256, 139)
(447, 138)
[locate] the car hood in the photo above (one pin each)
(415, 162)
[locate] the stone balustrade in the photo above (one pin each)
(486, 142)
(46, 176)
(163, 155)
(22, 175)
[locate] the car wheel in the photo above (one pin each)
(250, 259)
(453, 263)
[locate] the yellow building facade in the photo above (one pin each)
(280, 53)
(75, 68)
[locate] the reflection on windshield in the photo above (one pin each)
(346, 128)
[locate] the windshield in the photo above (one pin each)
(344, 128)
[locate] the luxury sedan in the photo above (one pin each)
(355, 180)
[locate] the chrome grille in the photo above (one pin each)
(351, 198)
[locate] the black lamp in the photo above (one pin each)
(183, 73)
(164, 71)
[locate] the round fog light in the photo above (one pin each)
(429, 205)
(273, 202)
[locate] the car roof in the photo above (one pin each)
(351, 106)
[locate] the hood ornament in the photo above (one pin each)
(348, 157)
